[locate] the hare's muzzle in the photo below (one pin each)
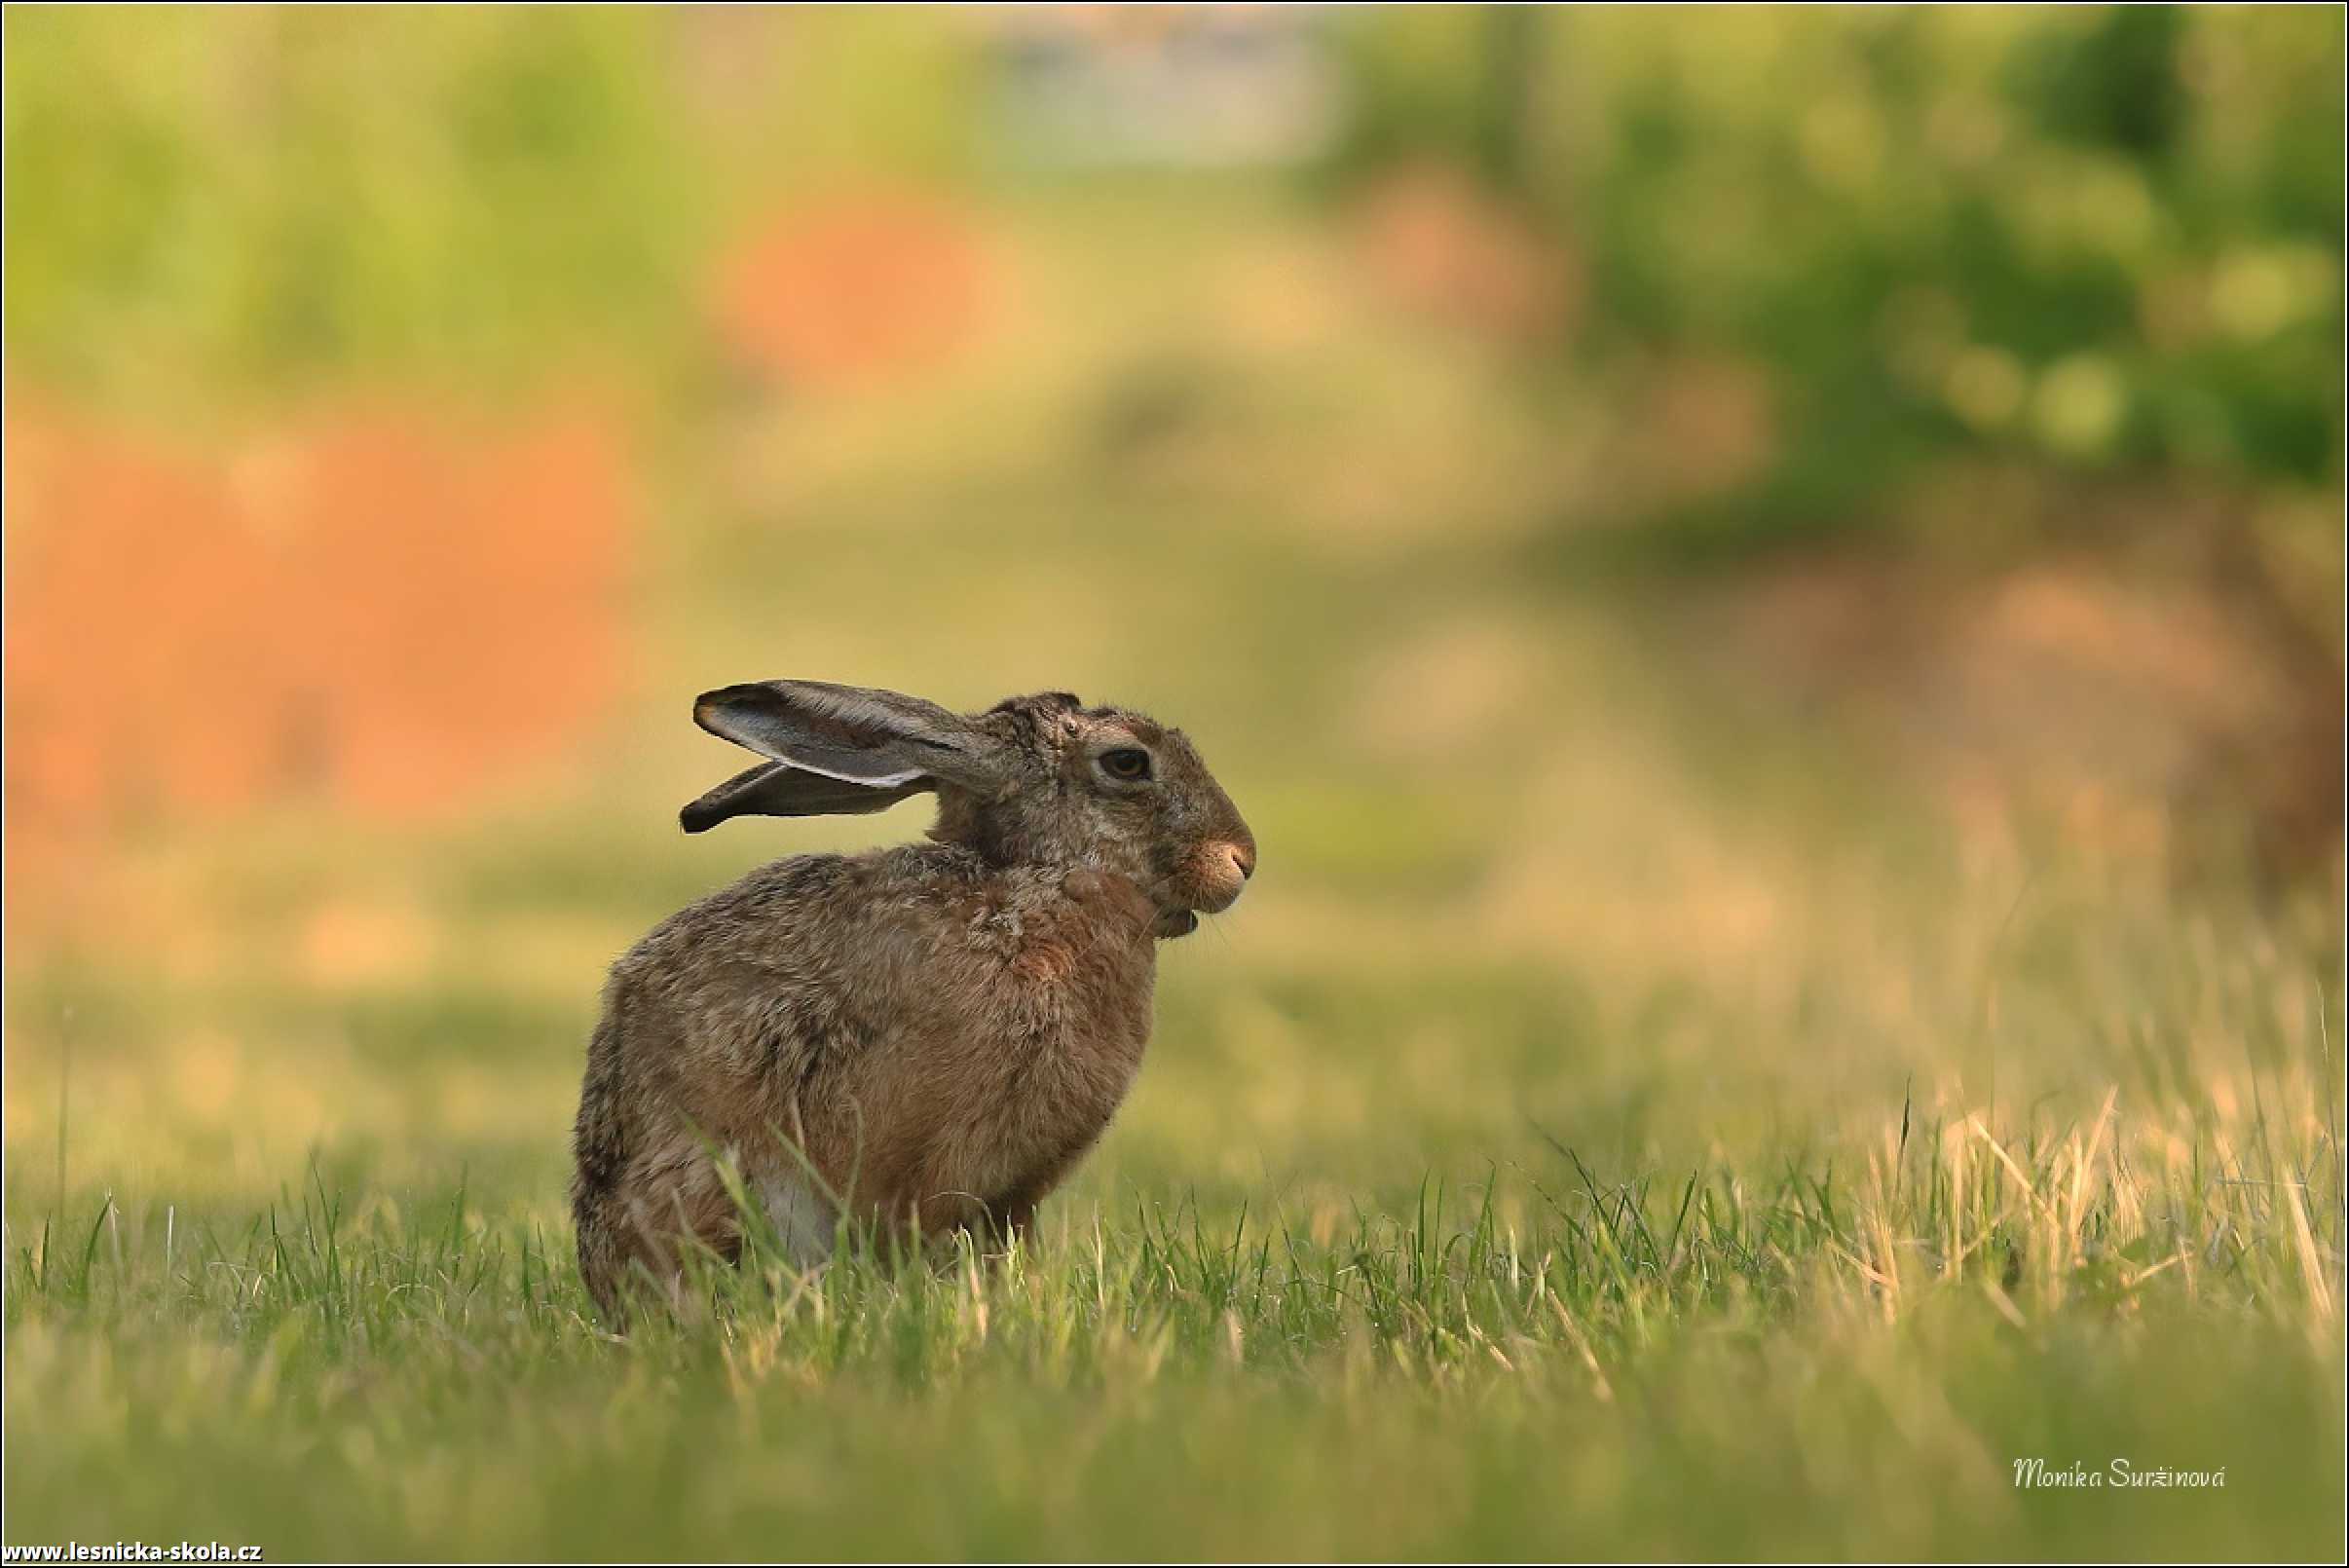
(1216, 873)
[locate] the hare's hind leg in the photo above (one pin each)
(639, 1197)
(637, 1234)
(599, 1145)
(634, 1230)
(603, 1256)
(668, 1203)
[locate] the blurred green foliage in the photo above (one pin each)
(2087, 236)
(2092, 237)
(252, 200)
(323, 197)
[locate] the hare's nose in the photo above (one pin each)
(1243, 860)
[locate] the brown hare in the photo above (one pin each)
(927, 1037)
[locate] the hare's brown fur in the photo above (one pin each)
(929, 1035)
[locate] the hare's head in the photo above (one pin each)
(1038, 780)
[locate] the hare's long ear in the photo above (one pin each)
(861, 749)
(780, 790)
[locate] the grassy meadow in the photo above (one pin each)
(1682, 1083)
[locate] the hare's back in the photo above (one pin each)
(730, 1007)
(797, 916)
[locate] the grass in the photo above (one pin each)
(1834, 1356)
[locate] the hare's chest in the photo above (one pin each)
(1060, 1046)
(1067, 1070)
(1028, 1007)
(1077, 1077)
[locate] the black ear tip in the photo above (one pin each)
(698, 818)
(710, 704)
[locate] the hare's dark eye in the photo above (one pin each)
(1128, 764)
